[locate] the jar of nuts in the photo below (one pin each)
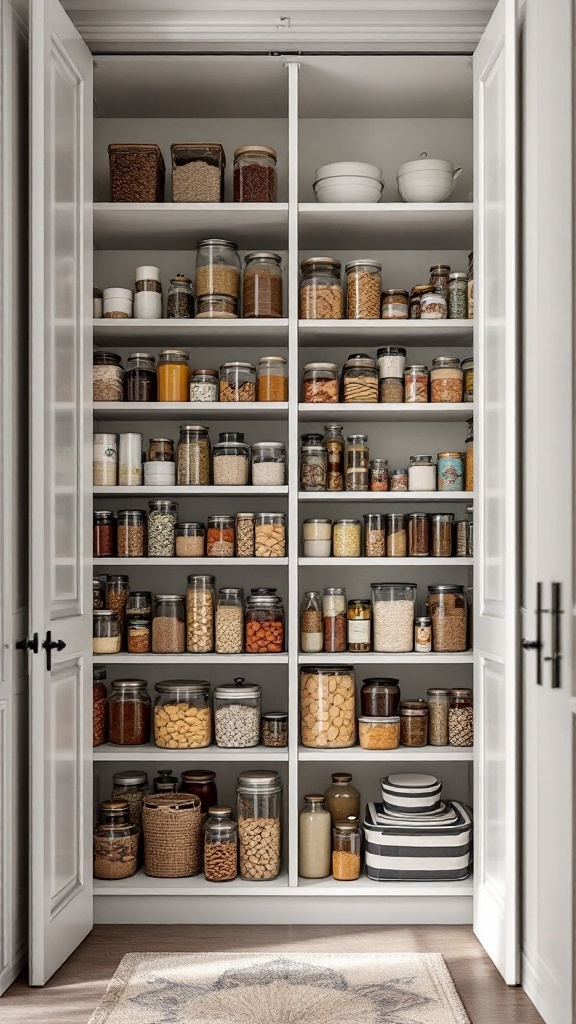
(200, 602)
(220, 846)
(220, 537)
(446, 379)
(320, 289)
(363, 289)
(264, 621)
(245, 524)
(320, 383)
(115, 842)
(237, 712)
(461, 718)
(230, 621)
(327, 706)
(270, 535)
(169, 624)
(237, 382)
(182, 718)
(259, 824)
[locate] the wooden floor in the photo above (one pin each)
(73, 993)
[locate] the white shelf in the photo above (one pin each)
(132, 411)
(384, 562)
(176, 563)
(190, 659)
(418, 333)
(397, 496)
(195, 333)
(141, 884)
(182, 225)
(375, 658)
(408, 754)
(150, 752)
(366, 887)
(387, 412)
(181, 491)
(377, 226)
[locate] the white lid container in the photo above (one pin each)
(354, 167)
(119, 301)
(147, 273)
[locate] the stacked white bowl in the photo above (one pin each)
(348, 182)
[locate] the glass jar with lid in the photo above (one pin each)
(461, 718)
(413, 723)
(439, 276)
(446, 379)
(139, 605)
(422, 634)
(418, 535)
(117, 590)
(360, 379)
(194, 456)
(173, 375)
(259, 811)
(268, 464)
(320, 383)
(379, 475)
(131, 785)
(204, 385)
(165, 781)
(334, 444)
(220, 845)
(313, 467)
(270, 535)
(327, 706)
(161, 449)
(216, 307)
(394, 304)
(237, 711)
(311, 635)
(180, 301)
(200, 608)
(255, 174)
(359, 623)
(98, 593)
(148, 294)
(416, 294)
(107, 377)
(229, 624)
(138, 636)
(141, 378)
(264, 624)
(396, 535)
(363, 289)
(398, 479)
(182, 718)
(433, 306)
(220, 537)
(262, 286)
(217, 269)
(237, 382)
(190, 540)
(202, 784)
(447, 608)
(100, 706)
(374, 535)
(272, 379)
(317, 538)
(245, 526)
(357, 462)
(450, 471)
(275, 729)
(380, 697)
(421, 473)
(129, 712)
(169, 624)
(334, 611)
(467, 367)
(115, 842)
(442, 524)
(162, 519)
(314, 838)
(131, 533)
(320, 289)
(103, 534)
(231, 462)
(469, 470)
(347, 538)
(458, 296)
(438, 705)
(416, 383)
(393, 617)
(342, 798)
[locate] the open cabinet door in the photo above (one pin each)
(496, 624)
(60, 463)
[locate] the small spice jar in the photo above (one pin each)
(438, 704)
(115, 842)
(272, 380)
(359, 620)
(118, 303)
(363, 289)
(148, 294)
(311, 633)
(131, 533)
(394, 304)
(217, 269)
(379, 733)
(446, 606)
(374, 535)
(262, 285)
(398, 479)
(194, 456)
(216, 307)
(442, 524)
(422, 635)
(346, 846)
(231, 461)
(421, 473)
(334, 443)
(138, 635)
(107, 377)
(220, 846)
(450, 471)
(320, 383)
(270, 535)
(347, 538)
(190, 540)
(162, 519)
(204, 386)
(237, 712)
(433, 306)
(334, 619)
(317, 538)
(275, 729)
(237, 382)
(415, 304)
(180, 301)
(99, 706)
(418, 535)
(140, 379)
(255, 174)
(132, 786)
(380, 697)
(461, 718)
(396, 535)
(229, 621)
(458, 296)
(320, 289)
(416, 383)
(357, 462)
(413, 723)
(313, 467)
(379, 475)
(139, 605)
(439, 277)
(169, 624)
(200, 607)
(103, 534)
(129, 712)
(360, 379)
(467, 367)
(268, 464)
(264, 624)
(245, 525)
(446, 379)
(182, 717)
(173, 375)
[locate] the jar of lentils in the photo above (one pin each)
(129, 712)
(461, 718)
(320, 289)
(262, 285)
(162, 519)
(363, 290)
(194, 456)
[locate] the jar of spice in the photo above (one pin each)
(245, 528)
(141, 379)
(259, 824)
(194, 456)
(415, 304)
(327, 705)
(190, 540)
(270, 535)
(398, 479)
(204, 385)
(396, 535)
(99, 593)
(220, 846)
(360, 379)
(320, 383)
(131, 533)
(393, 617)
(439, 276)
(103, 534)
(394, 304)
(202, 784)
(129, 712)
(357, 462)
(346, 846)
(139, 638)
(200, 606)
(173, 375)
(421, 473)
(117, 590)
(450, 471)
(416, 383)
(268, 464)
(115, 842)
(446, 379)
(320, 289)
(275, 729)
(182, 717)
(169, 624)
(272, 379)
(423, 635)
(231, 462)
(216, 307)
(447, 608)
(442, 524)
(458, 296)
(359, 620)
(347, 538)
(229, 624)
(262, 286)
(180, 301)
(467, 367)
(314, 838)
(413, 723)
(264, 622)
(220, 537)
(162, 519)
(418, 535)
(237, 714)
(438, 704)
(311, 633)
(237, 382)
(313, 467)
(470, 456)
(380, 697)
(461, 718)
(217, 269)
(334, 443)
(433, 306)
(374, 535)
(317, 538)
(379, 475)
(99, 706)
(334, 619)
(105, 460)
(363, 289)
(148, 294)
(342, 798)
(107, 377)
(255, 174)
(106, 633)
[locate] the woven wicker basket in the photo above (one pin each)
(137, 173)
(172, 835)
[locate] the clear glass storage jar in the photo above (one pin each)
(270, 535)
(162, 519)
(442, 524)
(396, 535)
(418, 535)
(197, 172)
(438, 705)
(359, 621)
(394, 305)
(346, 848)
(461, 718)
(439, 277)
(200, 608)
(204, 385)
(363, 289)
(421, 473)
(180, 300)
(415, 303)
(317, 538)
(262, 286)
(216, 307)
(458, 296)
(169, 624)
(220, 537)
(190, 540)
(268, 464)
(141, 378)
(255, 174)
(446, 379)
(313, 467)
(138, 636)
(374, 535)
(334, 444)
(237, 382)
(217, 269)
(115, 842)
(379, 733)
(237, 711)
(320, 383)
(99, 593)
(342, 798)
(245, 526)
(231, 463)
(327, 706)
(379, 475)
(220, 846)
(334, 609)
(360, 379)
(470, 456)
(398, 479)
(131, 533)
(423, 634)
(173, 375)
(117, 591)
(347, 538)
(161, 449)
(450, 471)
(413, 723)
(165, 782)
(264, 623)
(107, 377)
(229, 624)
(99, 706)
(259, 810)
(182, 717)
(357, 462)
(433, 306)
(393, 617)
(320, 289)
(103, 534)
(467, 367)
(447, 608)
(314, 838)
(139, 605)
(272, 379)
(416, 383)
(380, 697)
(129, 712)
(311, 635)
(131, 785)
(194, 456)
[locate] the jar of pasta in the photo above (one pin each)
(327, 697)
(321, 382)
(394, 304)
(259, 813)
(173, 375)
(363, 289)
(396, 535)
(359, 622)
(270, 535)
(446, 379)
(357, 462)
(320, 289)
(334, 619)
(262, 285)
(334, 444)
(217, 269)
(360, 379)
(272, 379)
(416, 383)
(347, 538)
(220, 537)
(200, 605)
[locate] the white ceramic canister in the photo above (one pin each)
(130, 460)
(148, 294)
(105, 460)
(160, 474)
(421, 473)
(118, 303)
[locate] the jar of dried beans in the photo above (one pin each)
(107, 378)
(320, 289)
(264, 623)
(140, 379)
(272, 379)
(396, 535)
(129, 712)
(327, 706)
(347, 538)
(374, 535)
(180, 301)
(442, 524)
(255, 174)
(104, 534)
(413, 723)
(346, 847)
(268, 464)
(334, 443)
(311, 637)
(438, 704)
(115, 842)
(169, 624)
(194, 456)
(262, 285)
(446, 379)
(418, 535)
(379, 480)
(393, 617)
(229, 621)
(173, 375)
(334, 619)
(190, 540)
(259, 818)
(220, 537)
(220, 846)
(461, 718)
(313, 467)
(416, 383)
(237, 712)
(359, 621)
(200, 609)
(321, 382)
(357, 462)
(162, 519)
(363, 290)
(100, 705)
(360, 379)
(447, 608)
(131, 533)
(204, 385)
(245, 524)
(231, 463)
(217, 269)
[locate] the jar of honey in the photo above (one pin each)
(174, 376)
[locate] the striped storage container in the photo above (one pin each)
(411, 793)
(418, 847)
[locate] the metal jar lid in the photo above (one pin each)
(260, 780)
(266, 256)
(130, 777)
(414, 708)
(198, 686)
(262, 150)
(362, 263)
(327, 262)
(216, 241)
(446, 588)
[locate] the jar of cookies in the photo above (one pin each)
(327, 706)
(182, 717)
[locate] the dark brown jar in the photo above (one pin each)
(129, 712)
(380, 697)
(99, 706)
(342, 798)
(413, 723)
(202, 784)
(104, 535)
(140, 379)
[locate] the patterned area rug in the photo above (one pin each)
(281, 988)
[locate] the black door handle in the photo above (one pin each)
(531, 645)
(556, 656)
(28, 645)
(537, 645)
(50, 645)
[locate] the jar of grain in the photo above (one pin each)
(268, 464)
(204, 385)
(169, 624)
(446, 606)
(357, 462)
(138, 636)
(131, 533)
(220, 537)
(439, 277)
(379, 479)
(117, 590)
(255, 174)
(416, 383)
(216, 307)
(237, 712)
(180, 300)
(461, 528)
(237, 382)
(99, 706)
(194, 456)
(446, 379)
(190, 540)
(346, 847)
(398, 479)
(245, 525)
(380, 697)
(347, 538)
(320, 289)
(317, 538)
(363, 289)
(182, 718)
(311, 635)
(360, 379)
(107, 377)
(334, 619)
(413, 723)
(327, 706)
(342, 798)
(415, 304)
(393, 617)
(220, 846)
(374, 535)
(421, 473)
(275, 729)
(313, 467)
(394, 304)
(259, 824)
(262, 286)
(392, 390)
(129, 712)
(418, 535)
(422, 635)
(141, 379)
(270, 535)
(103, 534)
(359, 619)
(320, 383)
(272, 379)
(162, 519)
(470, 456)
(450, 471)
(433, 306)
(115, 842)
(229, 625)
(200, 605)
(379, 733)
(197, 172)
(467, 367)
(264, 622)
(148, 294)
(117, 303)
(217, 269)
(458, 296)
(438, 704)
(105, 460)
(396, 535)
(461, 718)
(314, 838)
(231, 463)
(334, 443)
(442, 524)
(173, 375)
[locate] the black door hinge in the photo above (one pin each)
(28, 645)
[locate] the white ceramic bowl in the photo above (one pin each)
(424, 187)
(349, 167)
(348, 189)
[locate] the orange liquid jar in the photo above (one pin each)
(174, 376)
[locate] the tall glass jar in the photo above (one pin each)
(268, 464)
(220, 846)
(129, 712)
(342, 798)
(115, 842)
(259, 824)
(439, 276)
(438, 704)
(262, 286)
(313, 467)
(327, 706)
(180, 302)
(334, 619)
(469, 470)
(357, 462)
(334, 444)
(446, 379)
(141, 378)
(393, 617)
(311, 635)
(169, 624)
(165, 781)
(320, 383)
(229, 625)
(447, 608)
(346, 847)
(107, 377)
(272, 379)
(442, 524)
(314, 838)
(182, 717)
(461, 718)
(237, 711)
(374, 535)
(320, 289)
(360, 379)
(131, 533)
(231, 463)
(379, 475)
(359, 623)
(162, 519)
(103, 534)
(396, 535)
(363, 289)
(173, 375)
(194, 456)
(255, 174)
(131, 785)
(416, 383)
(418, 535)
(220, 537)
(200, 605)
(245, 526)
(100, 706)
(458, 296)
(204, 385)
(106, 633)
(217, 269)
(117, 590)
(264, 622)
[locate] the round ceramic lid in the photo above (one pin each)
(426, 163)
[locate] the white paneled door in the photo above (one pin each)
(496, 631)
(60, 551)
